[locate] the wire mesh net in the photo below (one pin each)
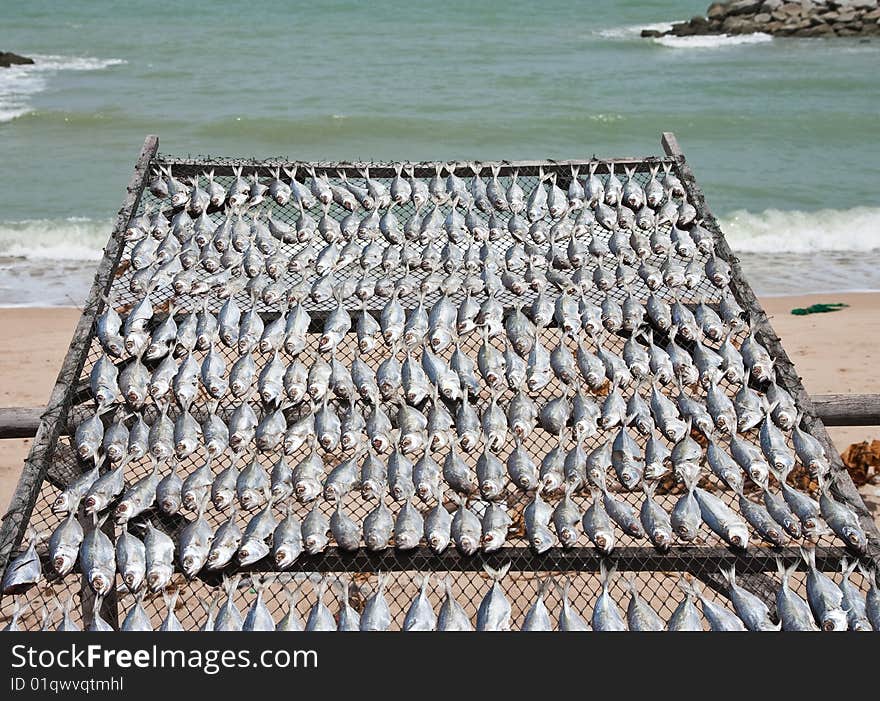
(656, 575)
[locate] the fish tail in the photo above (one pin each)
(729, 575)
(869, 573)
(809, 556)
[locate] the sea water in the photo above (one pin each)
(781, 133)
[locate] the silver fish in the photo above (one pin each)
(378, 526)
(793, 611)
(751, 609)
(228, 616)
(655, 520)
(420, 615)
(320, 618)
(606, 615)
(597, 525)
(376, 615)
(494, 610)
(719, 617)
(224, 543)
(721, 519)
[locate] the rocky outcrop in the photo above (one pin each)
(806, 18)
(7, 59)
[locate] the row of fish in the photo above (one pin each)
(830, 606)
(404, 272)
(522, 359)
(496, 195)
(152, 560)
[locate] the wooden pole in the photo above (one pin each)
(832, 409)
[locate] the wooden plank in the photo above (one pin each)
(37, 463)
(425, 169)
(20, 422)
(842, 487)
(848, 409)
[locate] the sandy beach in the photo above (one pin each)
(834, 353)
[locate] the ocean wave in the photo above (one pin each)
(631, 31)
(71, 239)
(712, 41)
(777, 231)
(19, 83)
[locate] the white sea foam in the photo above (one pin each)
(779, 231)
(712, 41)
(631, 31)
(72, 239)
(19, 83)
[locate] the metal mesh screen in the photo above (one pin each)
(656, 574)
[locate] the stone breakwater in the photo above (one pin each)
(7, 59)
(808, 18)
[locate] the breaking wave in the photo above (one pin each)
(71, 239)
(19, 83)
(712, 41)
(780, 231)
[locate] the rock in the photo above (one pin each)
(651, 33)
(873, 14)
(717, 10)
(791, 9)
(770, 6)
(846, 17)
(699, 21)
(737, 25)
(762, 18)
(743, 7)
(7, 59)
(681, 29)
(854, 4)
(819, 30)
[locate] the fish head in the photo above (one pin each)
(855, 538)
(491, 541)
(100, 581)
(93, 503)
(738, 535)
(468, 441)
(307, 490)
(661, 538)
(123, 512)
(604, 540)
(759, 472)
(551, 481)
(468, 544)
(407, 540)
(61, 505)
(191, 564)
(568, 536)
(835, 620)
(132, 578)
(251, 551)
(64, 560)
(171, 505)
(438, 540)
(541, 541)
(375, 540)
(439, 440)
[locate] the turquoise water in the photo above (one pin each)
(782, 134)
